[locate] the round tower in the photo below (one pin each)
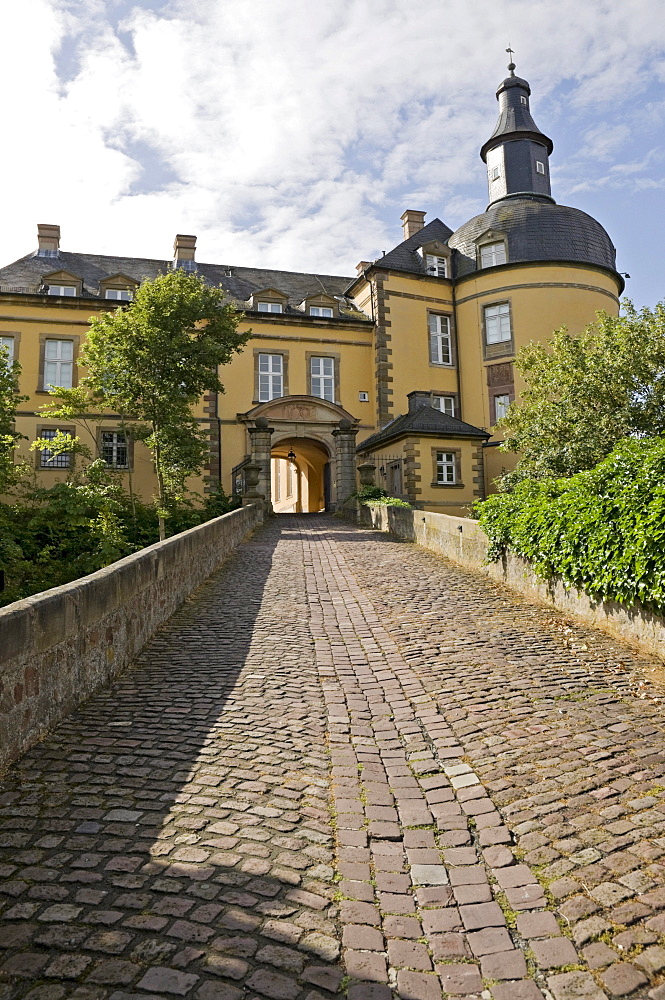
(523, 268)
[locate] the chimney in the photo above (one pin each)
(362, 266)
(417, 399)
(184, 251)
(412, 222)
(48, 240)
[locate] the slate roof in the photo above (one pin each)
(240, 283)
(426, 420)
(405, 258)
(515, 121)
(535, 229)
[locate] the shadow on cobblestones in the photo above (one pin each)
(179, 810)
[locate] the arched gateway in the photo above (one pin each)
(305, 449)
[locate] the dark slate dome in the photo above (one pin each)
(535, 230)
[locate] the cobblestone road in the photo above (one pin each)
(489, 775)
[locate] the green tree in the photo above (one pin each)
(584, 394)
(9, 436)
(154, 360)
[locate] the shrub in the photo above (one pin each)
(375, 494)
(602, 530)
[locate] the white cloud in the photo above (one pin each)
(290, 134)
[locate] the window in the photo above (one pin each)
(122, 294)
(47, 460)
(58, 363)
(446, 468)
(523, 99)
(62, 290)
(444, 403)
(440, 344)
(436, 266)
(323, 378)
(492, 254)
(497, 324)
(114, 450)
(269, 307)
(8, 344)
(320, 311)
(540, 167)
(495, 173)
(501, 404)
(271, 377)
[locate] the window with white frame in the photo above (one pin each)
(497, 324)
(444, 403)
(114, 449)
(8, 344)
(440, 343)
(62, 289)
(436, 266)
(121, 294)
(540, 167)
(501, 404)
(47, 460)
(492, 254)
(495, 173)
(446, 470)
(320, 311)
(269, 307)
(58, 363)
(271, 377)
(322, 371)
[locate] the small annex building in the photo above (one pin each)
(406, 365)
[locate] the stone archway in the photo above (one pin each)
(326, 425)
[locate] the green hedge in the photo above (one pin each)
(602, 530)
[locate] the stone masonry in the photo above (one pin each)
(346, 767)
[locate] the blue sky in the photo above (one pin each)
(292, 134)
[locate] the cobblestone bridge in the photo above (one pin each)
(346, 767)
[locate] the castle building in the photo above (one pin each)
(405, 367)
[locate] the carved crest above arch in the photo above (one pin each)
(299, 410)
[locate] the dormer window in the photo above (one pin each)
(436, 266)
(119, 294)
(321, 311)
(62, 290)
(493, 254)
(268, 300)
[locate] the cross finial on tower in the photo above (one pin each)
(511, 64)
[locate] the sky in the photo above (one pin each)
(292, 134)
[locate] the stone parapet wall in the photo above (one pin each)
(463, 541)
(58, 647)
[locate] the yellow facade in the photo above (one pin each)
(541, 297)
